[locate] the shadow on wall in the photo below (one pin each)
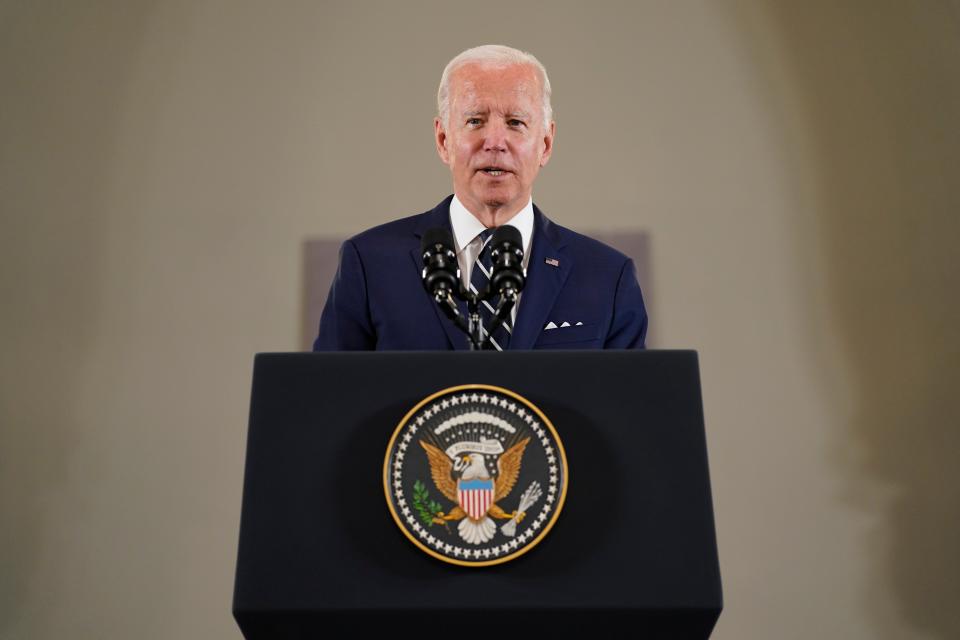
(879, 89)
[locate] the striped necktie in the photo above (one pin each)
(479, 279)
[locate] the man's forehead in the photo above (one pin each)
(513, 90)
(484, 80)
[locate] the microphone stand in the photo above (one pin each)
(480, 336)
(472, 325)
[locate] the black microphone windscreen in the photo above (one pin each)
(507, 233)
(435, 236)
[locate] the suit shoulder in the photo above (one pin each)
(388, 233)
(591, 248)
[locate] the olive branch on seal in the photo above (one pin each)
(425, 507)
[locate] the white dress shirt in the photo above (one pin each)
(466, 227)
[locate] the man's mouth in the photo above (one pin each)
(494, 171)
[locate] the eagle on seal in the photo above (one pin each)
(474, 491)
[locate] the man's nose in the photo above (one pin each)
(496, 137)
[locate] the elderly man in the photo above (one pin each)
(495, 130)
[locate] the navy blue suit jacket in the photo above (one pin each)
(378, 302)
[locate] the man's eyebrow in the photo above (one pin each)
(470, 113)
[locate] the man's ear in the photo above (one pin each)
(548, 143)
(440, 137)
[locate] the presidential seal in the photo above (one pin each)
(475, 475)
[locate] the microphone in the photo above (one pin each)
(441, 274)
(506, 254)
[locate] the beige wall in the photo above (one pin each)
(796, 164)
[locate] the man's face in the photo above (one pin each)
(495, 141)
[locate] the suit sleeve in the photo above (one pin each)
(629, 327)
(345, 322)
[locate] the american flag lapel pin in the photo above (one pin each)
(553, 262)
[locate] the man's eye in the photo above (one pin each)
(513, 122)
(473, 121)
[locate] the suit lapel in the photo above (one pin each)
(439, 217)
(544, 282)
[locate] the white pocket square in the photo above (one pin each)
(553, 325)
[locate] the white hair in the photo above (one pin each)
(492, 55)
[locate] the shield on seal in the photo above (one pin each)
(475, 496)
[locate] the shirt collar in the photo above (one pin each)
(466, 226)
